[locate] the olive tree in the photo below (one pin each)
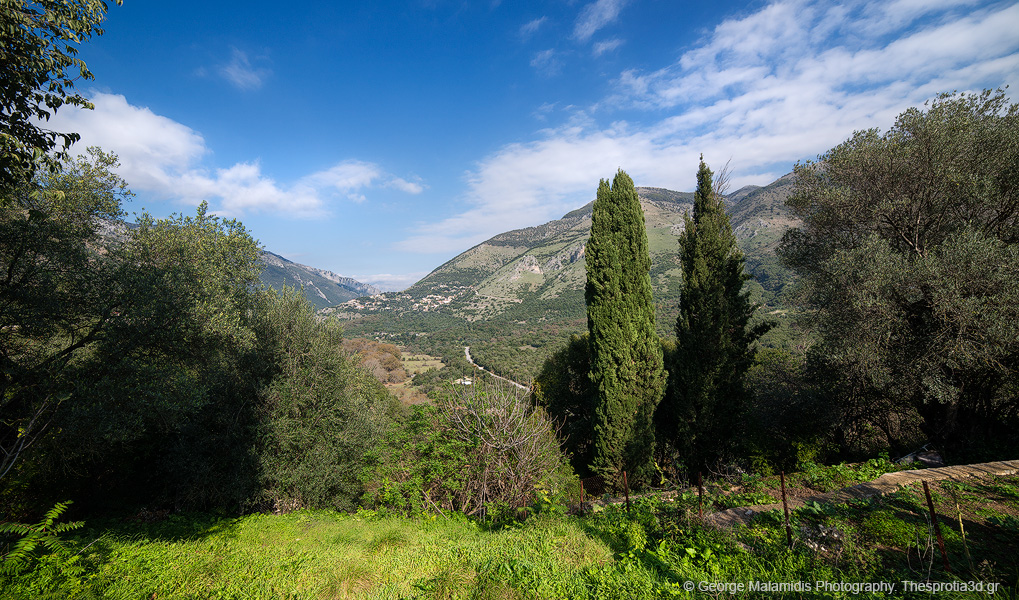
(909, 254)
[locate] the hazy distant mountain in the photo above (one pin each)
(323, 288)
(521, 287)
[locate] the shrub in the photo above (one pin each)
(483, 450)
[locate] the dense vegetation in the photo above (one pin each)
(145, 366)
(145, 373)
(651, 551)
(908, 254)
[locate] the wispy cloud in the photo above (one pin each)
(241, 73)
(547, 63)
(531, 27)
(606, 46)
(596, 15)
(410, 187)
(782, 84)
(390, 282)
(162, 157)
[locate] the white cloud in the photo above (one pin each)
(525, 184)
(152, 148)
(241, 73)
(410, 187)
(596, 15)
(547, 63)
(162, 157)
(782, 84)
(607, 46)
(531, 27)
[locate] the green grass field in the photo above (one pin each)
(657, 550)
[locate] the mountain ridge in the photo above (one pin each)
(322, 288)
(524, 289)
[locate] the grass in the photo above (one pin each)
(419, 363)
(653, 551)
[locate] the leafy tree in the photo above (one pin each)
(37, 71)
(715, 343)
(160, 407)
(909, 253)
(320, 414)
(626, 357)
(122, 351)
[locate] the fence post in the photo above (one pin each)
(785, 507)
(700, 497)
(626, 488)
(936, 526)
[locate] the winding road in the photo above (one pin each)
(467, 353)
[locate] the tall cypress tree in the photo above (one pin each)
(626, 357)
(715, 340)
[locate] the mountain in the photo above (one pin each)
(519, 295)
(323, 288)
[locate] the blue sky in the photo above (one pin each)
(379, 139)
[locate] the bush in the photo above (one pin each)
(484, 450)
(418, 468)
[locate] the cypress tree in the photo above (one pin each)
(627, 373)
(715, 343)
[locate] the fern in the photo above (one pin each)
(42, 534)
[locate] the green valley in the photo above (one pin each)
(518, 296)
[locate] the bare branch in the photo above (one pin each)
(720, 184)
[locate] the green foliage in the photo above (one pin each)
(37, 54)
(833, 477)
(484, 450)
(43, 534)
(707, 401)
(162, 405)
(418, 468)
(786, 416)
(651, 551)
(908, 254)
(627, 375)
(68, 291)
(564, 389)
(319, 414)
(143, 366)
(515, 457)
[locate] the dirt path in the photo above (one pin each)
(886, 484)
